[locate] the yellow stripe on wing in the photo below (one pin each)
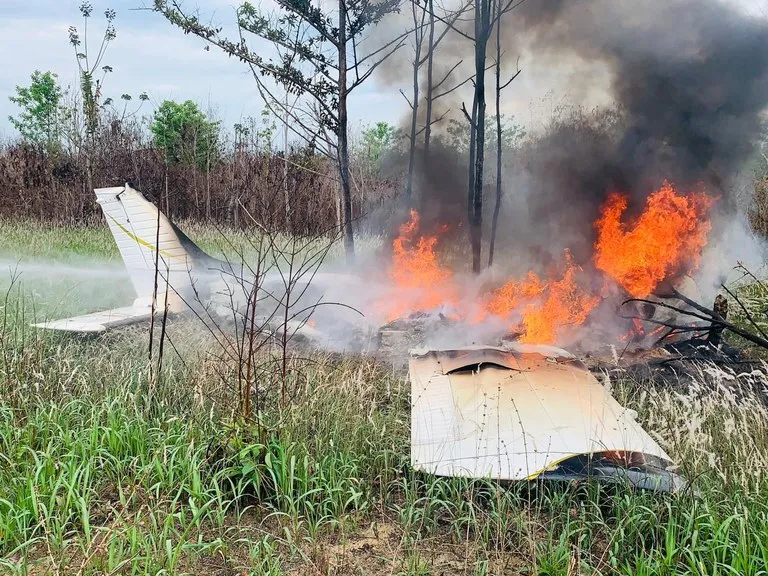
(139, 240)
(550, 466)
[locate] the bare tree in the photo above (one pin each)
(487, 14)
(286, 191)
(418, 37)
(316, 59)
(483, 24)
(432, 88)
(430, 69)
(418, 61)
(258, 314)
(499, 88)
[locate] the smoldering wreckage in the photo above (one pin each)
(510, 409)
(624, 208)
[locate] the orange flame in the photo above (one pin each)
(422, 284)
(665, 238)
(547, 307)
(508, 298)
(567, 304)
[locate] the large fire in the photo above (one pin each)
(544, 307)
(423, 284)
(669, 234)
(665, 240)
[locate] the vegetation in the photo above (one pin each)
(377, 140)
(40, 122)
(244, 177)
(458, 137)
(185, 134)
(197, 168)
(108, 469)
(201, 170)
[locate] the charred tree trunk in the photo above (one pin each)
(430, 60)
(720, 308)
(418, 37)
(497, 206)
(412, 143)
(482, 30)
(471, 171)
(343, 151)
(208, 186)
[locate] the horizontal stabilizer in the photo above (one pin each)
(100, 321)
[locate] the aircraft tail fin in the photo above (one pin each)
(153, 252)
(160, 260)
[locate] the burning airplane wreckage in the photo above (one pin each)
(515, 408)
(609, 219)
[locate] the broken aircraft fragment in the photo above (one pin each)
(525, 413)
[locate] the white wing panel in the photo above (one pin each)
(512, 424)
(99, 321)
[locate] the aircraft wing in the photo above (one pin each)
(517, 414)
(100, 321)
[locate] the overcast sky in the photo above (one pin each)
(149, 55)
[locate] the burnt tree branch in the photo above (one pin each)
(705, 314)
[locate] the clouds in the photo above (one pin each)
(148, 55)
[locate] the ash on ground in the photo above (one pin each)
(430, 330)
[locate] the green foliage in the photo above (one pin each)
(511, 134)
(186, 134)
(377, 140)
(41, 117)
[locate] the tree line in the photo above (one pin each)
(72, 141)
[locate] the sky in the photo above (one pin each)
(150, 55)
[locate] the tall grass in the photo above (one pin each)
(106, 471)
(97, 477)
(102, 473)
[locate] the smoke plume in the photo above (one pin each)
(688, 82)
(689, 79)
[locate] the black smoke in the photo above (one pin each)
(689, 82)
(688, 86)
(689, 77)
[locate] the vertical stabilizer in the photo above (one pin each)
(152, 251)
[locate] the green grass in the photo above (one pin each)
(30, 240)
(109, 466)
